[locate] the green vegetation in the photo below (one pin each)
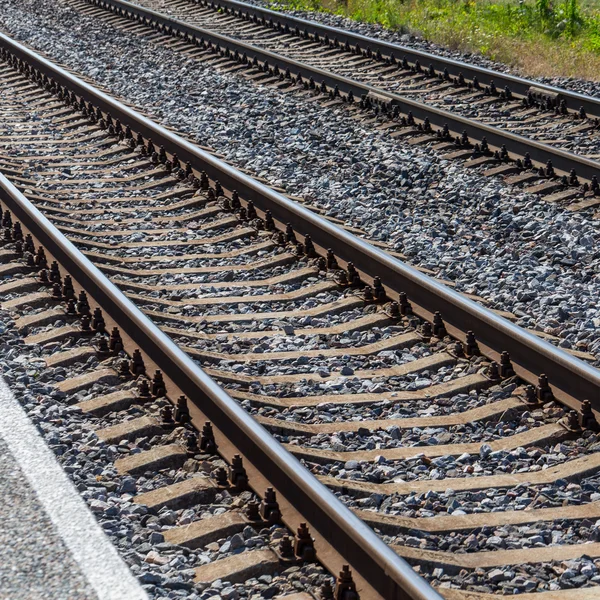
(540, 37)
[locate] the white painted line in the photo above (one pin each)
(100, 564)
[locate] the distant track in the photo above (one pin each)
(509, 128)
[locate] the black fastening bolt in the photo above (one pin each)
(158, 385)
(29, 246)
(531, 395)
(286, 548)
(344, 585)
(98, 323)
(587, 418)
(85, 324)
(269, 508)
(124, 372)
(404, 304)
(55, 273)
(426, 330)
(68, 291)
(166, 415)
(237, 473)
(309, 247)
(573, 178)
(304, 546)
(162, 155)
(251, 211)
(7, 219)
(493, 371)
(289, 233)
(394, 310)
(143, 388)
(17, 232)
(269, 222)
(471, 347)
(115, 342)
(506, 368)
(439, 329)
(326, 591)
(352, 274)
(221, 477)
(83, 307)
(208, 443)
(252, 511)
(136, 364)
(571, 421)
(182, 413)
(71, 309)
(191, 443)
(544, 392)
(102, 349)
(378, 290)
(331, 260)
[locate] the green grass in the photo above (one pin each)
(539, 37)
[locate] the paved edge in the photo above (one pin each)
(100, 564)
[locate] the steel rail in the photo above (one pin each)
(388, 574)
(572, 380)
(518, 85)
(540, 153)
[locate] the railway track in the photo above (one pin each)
(406, 399)
(536, 136)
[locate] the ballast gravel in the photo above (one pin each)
(520, 253)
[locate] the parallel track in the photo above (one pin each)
(228, 251)
(409, 101)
